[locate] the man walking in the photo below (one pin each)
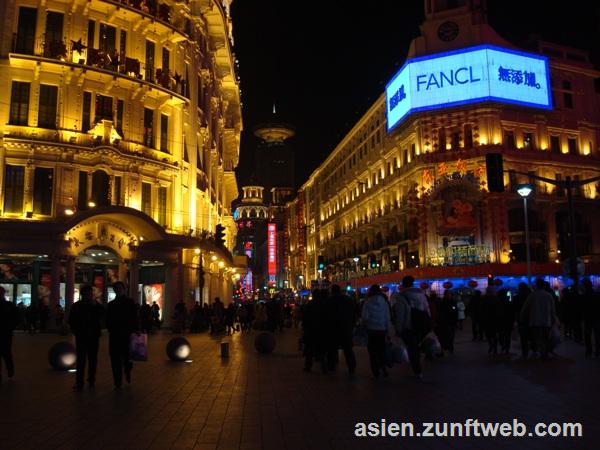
(540, 313)
(9, 318)
(121, 322)
(84, 319)
(412, 320)
(344, 319)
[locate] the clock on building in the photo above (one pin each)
(448, 31)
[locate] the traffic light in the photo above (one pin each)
(373, 263)
(321, 262)
(220, 234)
(494, 170)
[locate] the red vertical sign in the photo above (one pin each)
(272, 252)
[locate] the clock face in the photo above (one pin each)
(448, 31)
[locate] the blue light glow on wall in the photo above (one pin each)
(470, 75)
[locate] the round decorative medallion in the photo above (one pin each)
(448, 31)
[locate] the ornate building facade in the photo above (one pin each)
(415, 200)
(119, 135)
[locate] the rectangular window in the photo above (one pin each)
(413, 152)
(83, 190)
(87, 112)
(455, 141)
(441, 139)
(104, 108)
(19, 103)
(150, 49)
(147, 199)
(166, 56)
(568, 100)
(164, 133)
(107, 39)
(91, 33)
(123, 45)
(468, 139)
(555, 144)
(572, 143)
(14, 178)
(54, 46)
(162, 205)
(148, 127)
(47, 106)
(119, 127)
(25, 40)
(117, 197)
(528, 140)
(509, 139)
(43, 182)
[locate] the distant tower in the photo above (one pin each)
(274, 158)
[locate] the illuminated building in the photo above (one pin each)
(261, 219)
(119, 135)
(405, 191)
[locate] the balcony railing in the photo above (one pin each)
(106, 60)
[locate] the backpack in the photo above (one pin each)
(420, 321)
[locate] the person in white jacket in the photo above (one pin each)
(376, 319)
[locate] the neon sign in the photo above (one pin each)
(272, 252)
(470, 75)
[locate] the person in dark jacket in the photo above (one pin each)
(146, 317)
(343, 321)
(85, 318)
(9, 319)
(506, 319)
(591, 321)
(121, 322)
(490, 321)
(522, 325)
(447, 320)
(475, 311)
(312, 330)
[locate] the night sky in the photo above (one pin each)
(324, 63)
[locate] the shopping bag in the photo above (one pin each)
(138, 347)
(431, 344)
(399, 354)
(554, 338)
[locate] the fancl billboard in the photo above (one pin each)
(470, 75)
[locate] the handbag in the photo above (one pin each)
(138, 347)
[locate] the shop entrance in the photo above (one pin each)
(98, 267)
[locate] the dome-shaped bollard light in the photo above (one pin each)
(178, 349)
(62, 356)
(265, 343)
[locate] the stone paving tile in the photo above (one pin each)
(257, 402)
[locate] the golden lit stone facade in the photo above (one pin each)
(416, 200)
(125, 115)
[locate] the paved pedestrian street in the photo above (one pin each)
(251, 401)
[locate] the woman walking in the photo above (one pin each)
(376, 319)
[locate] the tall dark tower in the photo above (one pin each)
(274, 158)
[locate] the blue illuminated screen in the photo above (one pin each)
(475, 74)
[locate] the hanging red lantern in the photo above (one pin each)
(424, 286)
(447, 285)
(472, 283)
(498, 282)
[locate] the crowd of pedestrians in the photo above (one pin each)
(426, 325)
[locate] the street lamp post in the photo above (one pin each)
(524, 190)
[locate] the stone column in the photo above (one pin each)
(69, 283)
(122, 270)
(28, 189)
(134, 279)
